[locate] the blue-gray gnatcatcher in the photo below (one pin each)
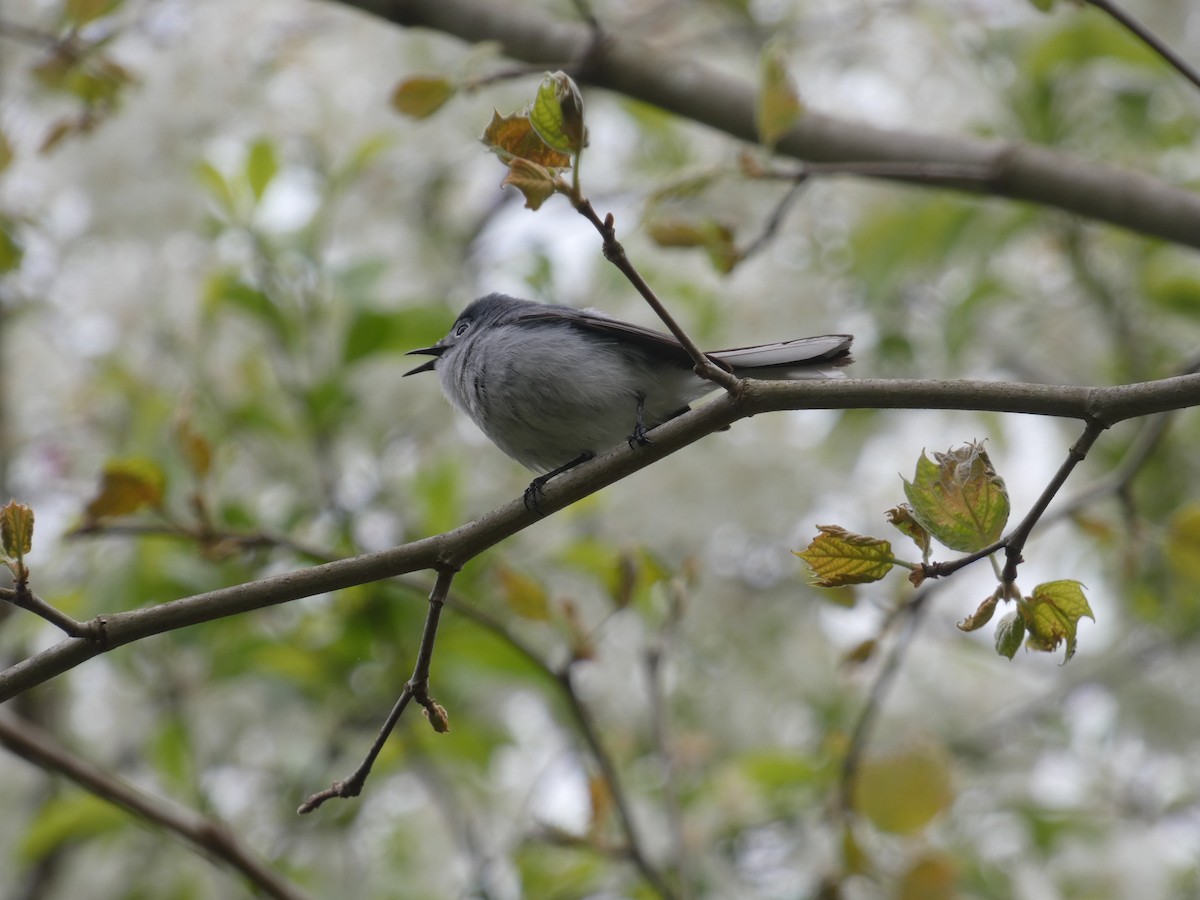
(552, 386)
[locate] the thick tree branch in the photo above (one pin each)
(31, 743)
(696, 91)
(449, 551)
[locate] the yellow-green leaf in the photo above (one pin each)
(421, 96)
(778, 107)
(16, 529)
(80, 12)
(514, 137)
(126, 486)
(1052, 613)
(839, 557)
(536, 183)
(958, 498)
(902, 792)
(933, 876)
(1183, 542)
(716, 239)
(524, 596)
(11, 252)
(557, 113)
(6, 151)
(196, 449)
(262, 164)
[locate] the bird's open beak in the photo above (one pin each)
(435, 351)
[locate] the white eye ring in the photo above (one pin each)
(462, 327)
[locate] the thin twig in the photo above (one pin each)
(608, 772)
(561, 678)
(1149, 38)
(416, 688)
(22, 597)
(659, 716)
(1015, 541)
(614, 252)
(33, 36)
(911, 613)
(31, 743)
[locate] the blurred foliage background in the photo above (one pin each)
(217, 237)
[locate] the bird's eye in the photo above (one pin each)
(461, 329)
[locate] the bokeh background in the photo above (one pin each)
(215, 252)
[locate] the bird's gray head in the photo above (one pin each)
(486, 312)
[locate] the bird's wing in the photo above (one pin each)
(823, 350)
(656, 343)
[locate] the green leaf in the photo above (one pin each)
(524, 596)
(6, 151)
(16, 530)
(421, 96)
(372, 332)
(1052, 614)
(778, 106)
(80, 12)
(11, 252)
(66, 818)
(902, 792)
(262, 165)
(557, 113)
(959, 498)
(1010, 631)
(218, 187)
(437, 492)
(228, 289)
(839, 557)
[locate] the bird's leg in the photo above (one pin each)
(536, 487)
(638, 438)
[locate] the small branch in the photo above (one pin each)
(614, 252)
(608, 772)
(32, 36)
(416, 688)
(775, 221)
(1149, 38)
(1014, 543)
(911, 612)
(213, 540)
(561, 678)
(31, 743)
(22, 597)
(662, 745)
